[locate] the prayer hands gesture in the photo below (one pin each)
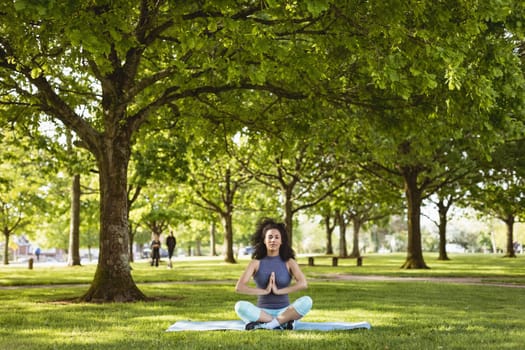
(272, 286)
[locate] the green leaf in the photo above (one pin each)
(316, 7)
(20, 5)
(35, 72)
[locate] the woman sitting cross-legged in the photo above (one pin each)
(273, 266)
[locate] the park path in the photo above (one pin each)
(456, 280)
(324, 278)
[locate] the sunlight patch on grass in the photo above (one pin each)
(355, 315)
(306, 336)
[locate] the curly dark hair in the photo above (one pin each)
(285, 251)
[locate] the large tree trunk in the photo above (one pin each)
(356, 223)
(509, 222)
(73, 256)
(442, 209)
(113, 280)
(414, 259)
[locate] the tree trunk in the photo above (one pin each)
(213, 250)
(493, 242)
(228, 237)
(6, 247)
(131, 240)
(132, 230)
(443, 220)
(343, 253)
(227, 219)
(198, 247)
(509, 222)
(73, 257)
(414, 259)
(356, 223)
(288, 215)
(329, 231)
(113, 280)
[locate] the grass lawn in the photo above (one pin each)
(403, 314)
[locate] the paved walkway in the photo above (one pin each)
(457, 280)
(328, 277)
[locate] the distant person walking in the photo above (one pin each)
(155, 250)
(171, 242)
(37, 253)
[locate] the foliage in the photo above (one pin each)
(105, 71)
(432, 115)
(412, 88)
(500, 190)
(21, 193)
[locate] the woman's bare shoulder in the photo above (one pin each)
(291, 262)
(254, 264)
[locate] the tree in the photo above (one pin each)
(217, 180)
(361, 215)
(20, 191)
(501, 193)
(300, 168)
(73, 257)
(506, 203)
(133, 194)
(157, 218)
(328, 219)
(159, 160)
(213, 235)
(89, 211)
(444, 202)
(73, 164)
(434, 95)
(342, 223)
(126, 63)
(365, 200)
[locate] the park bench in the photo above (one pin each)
(335, 261)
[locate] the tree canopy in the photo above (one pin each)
(399, 82)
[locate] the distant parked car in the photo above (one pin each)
(247, 250)
(146, 253)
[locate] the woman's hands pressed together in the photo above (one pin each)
(272, 285)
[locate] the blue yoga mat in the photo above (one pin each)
(239, 326)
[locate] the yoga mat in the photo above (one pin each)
(238, 325)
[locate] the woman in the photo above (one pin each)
(155, 250)
(273, 266)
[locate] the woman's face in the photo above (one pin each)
(273, 241)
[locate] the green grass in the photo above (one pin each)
(488, 267)
(404, 315)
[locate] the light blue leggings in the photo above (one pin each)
(251, 313)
